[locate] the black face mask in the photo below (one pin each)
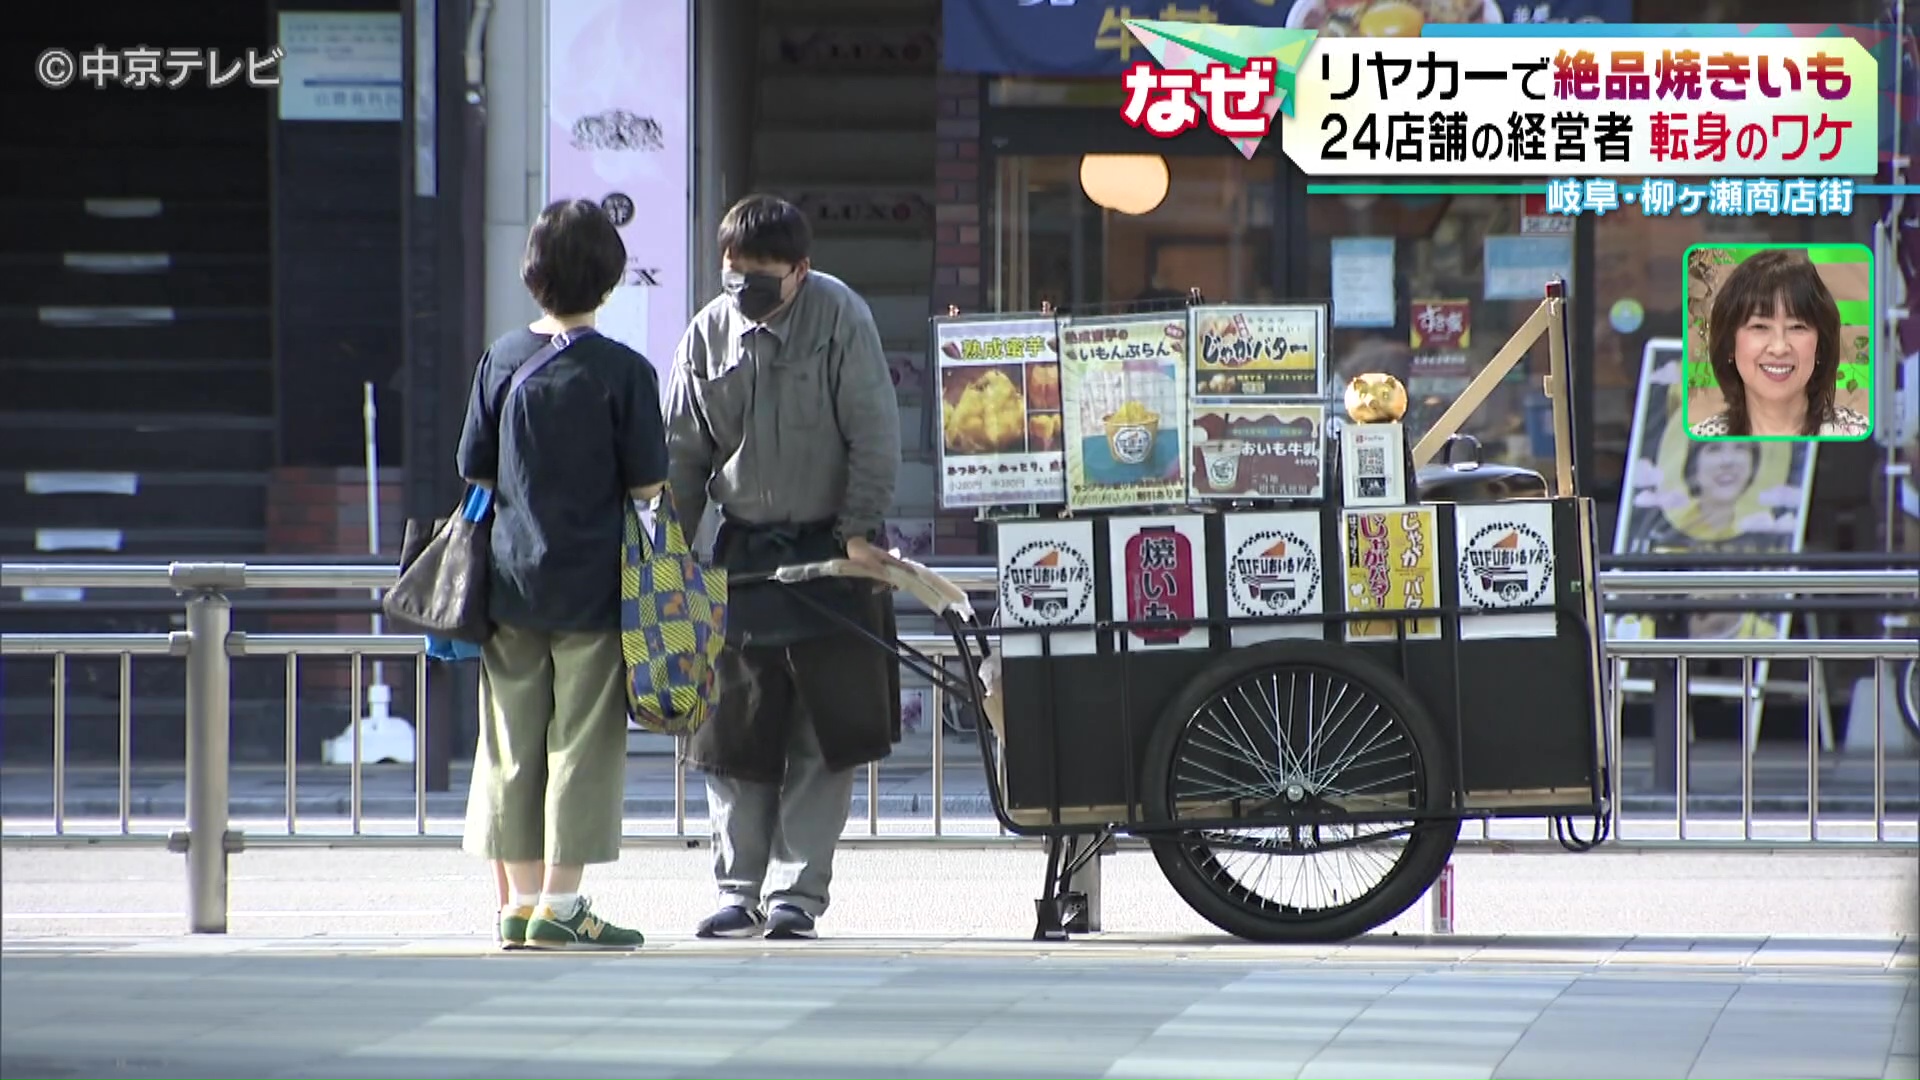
(756, 295)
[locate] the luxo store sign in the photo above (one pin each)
(1506, 560)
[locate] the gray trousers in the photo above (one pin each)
(789, 828)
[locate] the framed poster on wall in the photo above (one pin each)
(1691, 497)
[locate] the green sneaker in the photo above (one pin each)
(513, 926)
(582, 930)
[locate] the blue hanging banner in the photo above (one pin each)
(1088, 37)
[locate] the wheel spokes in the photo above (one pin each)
(1301, 739)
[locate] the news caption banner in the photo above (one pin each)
(1524, 106)
(1827, 196)
(1510, 106)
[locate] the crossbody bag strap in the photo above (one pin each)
(558, 344)
(480, 500)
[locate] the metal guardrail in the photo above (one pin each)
(974, 579)
(1881, 653)
(207, 840)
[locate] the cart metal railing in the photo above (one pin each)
(207, 838)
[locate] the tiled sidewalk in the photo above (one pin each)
(1753, 954)
(314, 1007)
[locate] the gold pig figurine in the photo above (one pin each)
(1376, 398)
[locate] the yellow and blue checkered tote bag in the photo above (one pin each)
(673, 624)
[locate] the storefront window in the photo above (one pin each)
(1212, 229)
(1428, 290)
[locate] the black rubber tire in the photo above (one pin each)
(1428, 847)
(1909, 696)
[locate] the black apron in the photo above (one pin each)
(773, 615)
(784, 652)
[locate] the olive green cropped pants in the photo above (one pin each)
(549, 775)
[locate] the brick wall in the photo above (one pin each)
(318, 511)
(958, 255)
(312, 511)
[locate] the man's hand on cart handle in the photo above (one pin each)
(889, 568)
(861, 550)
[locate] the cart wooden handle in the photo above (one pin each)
(923, 584)
(941, 596)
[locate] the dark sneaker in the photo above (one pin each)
(789, 922)
(581, 930)
(512, 933)
(732, 921)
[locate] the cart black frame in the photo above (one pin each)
(1070, 845)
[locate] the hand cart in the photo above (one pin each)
(1295, 785)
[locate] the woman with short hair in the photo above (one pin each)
(564, 427)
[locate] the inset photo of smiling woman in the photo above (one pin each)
(1779, 341)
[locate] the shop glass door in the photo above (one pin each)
(1211, 230)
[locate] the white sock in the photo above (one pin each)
(563, 904)
(524, 900)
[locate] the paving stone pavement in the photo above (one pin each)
(324, 1006)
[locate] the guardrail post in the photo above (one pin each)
(451, 694)
(1666, 724)
(209, 724)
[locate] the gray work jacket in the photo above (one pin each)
(787, 423)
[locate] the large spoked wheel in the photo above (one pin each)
(1303, 726)
(1910, 697)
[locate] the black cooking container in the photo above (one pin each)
(1461, 477)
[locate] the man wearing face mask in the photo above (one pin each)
(781, 411)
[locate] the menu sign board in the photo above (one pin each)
(1000, 429)
(1046, 581)
(1259, 352)
(1123, 382)
(1391, 566)
(1252, 452)
(1159, 573)
(1505, 560)
(1273, 568)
